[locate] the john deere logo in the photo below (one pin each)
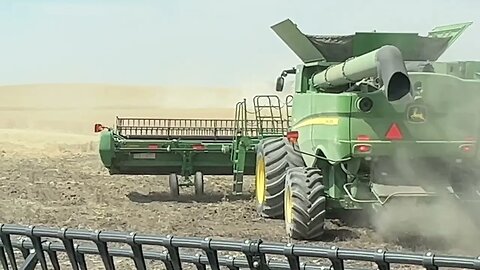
(417, 113)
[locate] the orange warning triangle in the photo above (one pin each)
(394, 133)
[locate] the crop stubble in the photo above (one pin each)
(54, 178)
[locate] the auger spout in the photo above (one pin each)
(385, 63)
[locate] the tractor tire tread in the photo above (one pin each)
(279, 156)
(273, 156)
(294, 157)
(309, 202)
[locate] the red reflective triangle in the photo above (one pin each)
(394, 133)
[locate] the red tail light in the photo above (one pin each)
(364, 148)
(394, 133)
(467, 148)
(153, 146)
(292, 136)
(98, 128)
(198, 147)
(363, 138)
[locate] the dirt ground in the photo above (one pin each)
(53, 177)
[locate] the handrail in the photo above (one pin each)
(35, 242)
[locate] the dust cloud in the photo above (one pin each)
(442, 225)
(442, 222)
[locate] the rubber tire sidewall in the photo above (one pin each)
(199, 184)
(173, 183)
(308, 203)
(278, 156)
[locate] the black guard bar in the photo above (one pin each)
(253, 252)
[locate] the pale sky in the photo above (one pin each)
(198, 43)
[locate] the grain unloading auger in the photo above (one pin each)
(23, 247)
(374, 118)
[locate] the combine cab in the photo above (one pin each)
(375, 118)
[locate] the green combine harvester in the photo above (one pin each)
(373, 117)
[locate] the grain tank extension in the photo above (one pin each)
(375, 118)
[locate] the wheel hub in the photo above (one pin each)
(288, 211)
(260, 181)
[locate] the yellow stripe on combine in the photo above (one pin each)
(328, 121)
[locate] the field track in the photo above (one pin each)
(50, 175)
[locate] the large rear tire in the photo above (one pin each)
(274, 157)
(305, 203)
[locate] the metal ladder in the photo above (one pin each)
(268, 113)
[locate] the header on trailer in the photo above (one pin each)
(338, 48)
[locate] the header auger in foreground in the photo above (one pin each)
(374, 117)
(34, 244)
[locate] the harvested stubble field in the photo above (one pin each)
(51, 175)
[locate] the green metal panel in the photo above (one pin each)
(451, 31)
(301, 83)
(106, 148)
(472, 70)
(138, 157)
(450, 119)
(461, 69)
(406, 42)
(338, 48)
(297, 41)
(323, 124)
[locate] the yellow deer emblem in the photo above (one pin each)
(417, 114)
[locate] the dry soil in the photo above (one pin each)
(51, 175)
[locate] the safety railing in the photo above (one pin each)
(268, 111)
(39, 241)
(163, 128)
(241, 116)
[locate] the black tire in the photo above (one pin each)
(305, 204)
(199, 183)
(173, 182)
(274, 157)
(294, 158)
